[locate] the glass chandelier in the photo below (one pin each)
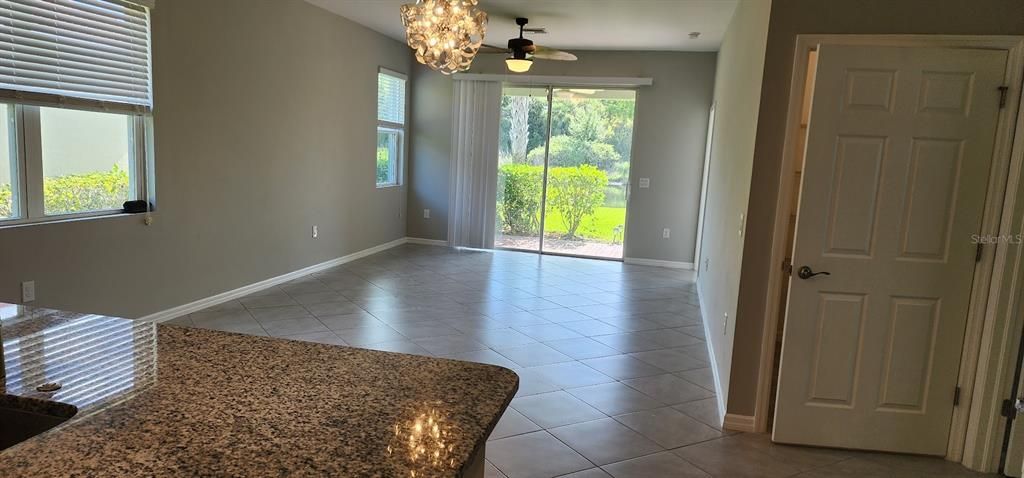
(445, 34)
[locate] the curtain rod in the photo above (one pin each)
(556, 80)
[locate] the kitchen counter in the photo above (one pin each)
(156, 400)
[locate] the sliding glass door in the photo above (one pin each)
(564, 170)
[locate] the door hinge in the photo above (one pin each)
(1002, 95)
(1008, 410)
(978, 251)
(956, 396)
(787, 266)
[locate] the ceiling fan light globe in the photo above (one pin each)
(518, 65)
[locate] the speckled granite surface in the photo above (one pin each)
(160, 400)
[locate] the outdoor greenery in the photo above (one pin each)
(77, 192)
(588, 160)
(519, 193)
(599, 226)
(6, 204)
(573, 193)
(383, 166)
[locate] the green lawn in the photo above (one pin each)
(600, 225)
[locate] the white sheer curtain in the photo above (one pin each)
(474, 167)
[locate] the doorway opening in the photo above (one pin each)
(563, 170)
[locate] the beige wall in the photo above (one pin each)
(789, 18)
(669, 136)
(264, 125)
(737, 87)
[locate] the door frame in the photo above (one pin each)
(992, 330)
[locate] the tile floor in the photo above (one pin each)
(613, 366)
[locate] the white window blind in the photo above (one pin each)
(391, 97)
(85, 52)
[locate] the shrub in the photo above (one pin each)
(383, 169)
(6, 206)
(519, 194)
(77, 192)
(566, 151)
(576, 193)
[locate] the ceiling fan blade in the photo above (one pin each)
(485, 48)
(545, 53)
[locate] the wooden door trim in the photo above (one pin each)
(992, 330)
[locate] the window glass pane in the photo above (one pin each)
(390, 98)
(8, 165)
(86, 160)
(388, 143)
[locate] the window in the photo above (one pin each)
(390, 127)
(75, 107)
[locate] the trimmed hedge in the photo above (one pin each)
(77, 192)
(519, 193)
(575, 192)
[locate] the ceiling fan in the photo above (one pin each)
(523, 51)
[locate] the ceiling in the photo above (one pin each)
(575, 24)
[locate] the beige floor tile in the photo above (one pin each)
(554, 409)
(662, 464)
(614, 398)
(534, 455)
(605, 441)
(669, 389)
(513, 423)
(669, 428)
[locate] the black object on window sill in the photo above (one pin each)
(135, 207)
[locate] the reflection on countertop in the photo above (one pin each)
(94, 359)
(159, 400)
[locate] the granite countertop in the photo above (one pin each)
(156, 400)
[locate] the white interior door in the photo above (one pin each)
(897, 163)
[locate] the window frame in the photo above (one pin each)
(393, 127)
(27, 181)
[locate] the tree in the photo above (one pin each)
(576, 193)
(518, 131)
(566, 151)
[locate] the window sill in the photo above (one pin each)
(90, 216)
(388, 186)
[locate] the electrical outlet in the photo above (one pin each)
(666, 233)
(725, 325)
(316, 231)
(426, 214)
(28, 291)
(645, 183)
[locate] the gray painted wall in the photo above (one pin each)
(258, 137)
(788, 19)
(430, 146)
(670, 131)
(737, 87)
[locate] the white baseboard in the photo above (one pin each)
(196, 306)
(658, 263)
(739, 423)
(719, 396)
(426, 242)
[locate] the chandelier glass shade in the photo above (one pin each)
(445, 34)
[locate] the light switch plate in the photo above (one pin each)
(28, 291)
(426, 214)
